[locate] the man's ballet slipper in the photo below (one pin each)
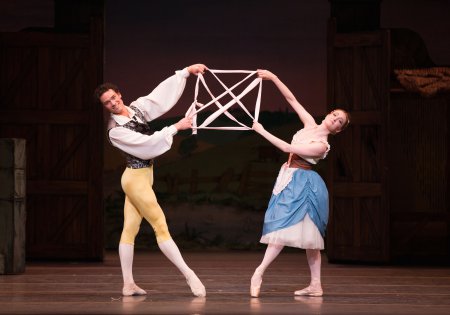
(132, 289)
(309, 292)
(197, 287)
(255, 284)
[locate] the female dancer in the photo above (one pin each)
(297, 214)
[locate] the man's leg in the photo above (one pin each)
(170, 249)
(144, 199)
(132, 221)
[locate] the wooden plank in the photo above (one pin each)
(17, 78)
(413, 216)
(357, 190)
(12, 205)
(48, 117)
(57, 187)
(384, 147)
(95, 288)
(2, 264)
(68, 153)
(342, 40)
(447, 195)
(37, 39)
(60, 72)
(358, 72)
(94, 76)
(77, 68)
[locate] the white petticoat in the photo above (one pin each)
(304, 234)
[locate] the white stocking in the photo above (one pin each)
(126, 252)
(314, 262)
(272, 252)
(170, 249)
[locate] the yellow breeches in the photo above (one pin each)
(140, 202)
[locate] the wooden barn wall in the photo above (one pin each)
(418, 160)
(388, 176)
(357, 81)
(46, 86)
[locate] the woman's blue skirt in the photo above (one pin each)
(306, 193)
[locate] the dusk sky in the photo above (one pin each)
(145, 41)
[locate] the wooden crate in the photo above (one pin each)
(12, 205)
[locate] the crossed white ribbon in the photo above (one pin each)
(223, 109)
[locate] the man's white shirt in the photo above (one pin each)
(152, 106)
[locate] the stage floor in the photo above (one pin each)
(95, 288)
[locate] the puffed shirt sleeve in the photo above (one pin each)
(163, 97)
(145, 147)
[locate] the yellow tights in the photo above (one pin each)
(140, 201)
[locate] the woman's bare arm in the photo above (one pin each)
(307, 150)
(304, 116)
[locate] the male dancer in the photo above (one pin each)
(128, 131)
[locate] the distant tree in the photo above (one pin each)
(187, 146)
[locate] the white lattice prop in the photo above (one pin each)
(197, 107)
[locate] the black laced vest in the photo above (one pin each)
(144, 128)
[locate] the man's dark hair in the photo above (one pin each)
(102, 88)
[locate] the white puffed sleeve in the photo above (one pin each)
(163, 97)
(145, 147)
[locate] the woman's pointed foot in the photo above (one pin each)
(255, 284)
(197, 287)
(132, 289)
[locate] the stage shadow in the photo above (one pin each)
(314, 304)
(197, 305)
(129, 303)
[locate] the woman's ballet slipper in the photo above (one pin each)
(132, 289)
(254, 291)
(309, 292)
(255, 284)
(197, 287)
